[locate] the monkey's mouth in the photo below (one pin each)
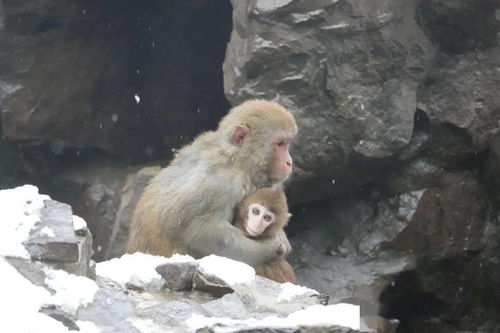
(252, 232)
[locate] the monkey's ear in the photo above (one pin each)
(239, 135)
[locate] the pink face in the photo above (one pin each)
(282, 160)
(259, 218)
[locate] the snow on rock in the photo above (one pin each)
(71, 291)
(19, 212)
(46, 231)
(290, 290)
(87, 327)
(144, 325)
(342, 314)
(137, 268)
(79, 224)
(231, 271)
(20, 302)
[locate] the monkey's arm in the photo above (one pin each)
(221, 238)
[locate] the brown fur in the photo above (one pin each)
(188, 207)
(278, 270)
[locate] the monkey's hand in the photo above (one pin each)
(226, 240)
(285, 247)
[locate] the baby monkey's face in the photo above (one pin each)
(259, 218)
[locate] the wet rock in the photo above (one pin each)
(178, 276)
(211, 284)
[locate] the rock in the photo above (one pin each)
(105, 197)
(211, 284)
(53, 242)
(49, 93)
(178, 276)
(132, 189)
(466, 84)
(59, 315)
(111, 308)
(349, 72)
(53, 238)
(230, 306)
(173, 313)
(446, 222)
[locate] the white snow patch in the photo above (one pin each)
(336, 26)
(46, 231)
(290, 290)
(231, 271)
(19, 212)
(137, 98)
(114, 117)
(87, 327)
(20, 302)
(342, 314)
(79, 224)
(144, 325)
(137, 268)
(71, 290)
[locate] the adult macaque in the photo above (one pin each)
(260, 215)
(188, 207)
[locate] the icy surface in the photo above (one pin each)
(18, 314)
(231, 271)
(290, 290)
(79, 223)
(137, 268)
(19, 212)
(71, 290)
(342, 314)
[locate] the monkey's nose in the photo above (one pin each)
(289, 163)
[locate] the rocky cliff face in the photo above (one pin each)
(397, 187)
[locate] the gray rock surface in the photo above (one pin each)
(211, 284)
(50, 93)
(54, 237)
(348, 70)
(105, 197)
(178, 276)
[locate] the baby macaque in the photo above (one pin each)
(260, 215)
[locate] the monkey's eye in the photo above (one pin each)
(281, 143)
(267, 218)
(255, 211)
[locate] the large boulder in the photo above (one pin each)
(348, 70)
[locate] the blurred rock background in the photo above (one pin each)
(396, 191)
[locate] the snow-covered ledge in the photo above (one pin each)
(49, 292)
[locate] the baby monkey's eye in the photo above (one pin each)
(267, 218)
(255, 211)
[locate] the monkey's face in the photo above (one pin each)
(259, 218)
(282, 161)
